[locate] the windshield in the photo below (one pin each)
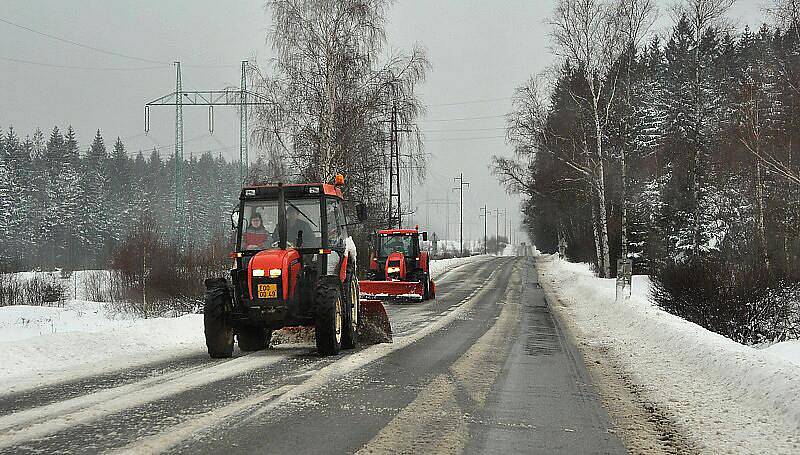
(260, 224)
(396, 244)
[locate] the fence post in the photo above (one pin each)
(624, 278)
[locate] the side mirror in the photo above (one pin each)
(234, 218)
(361, 212)
(425, 236)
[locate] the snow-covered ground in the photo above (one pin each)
(789, 350)
(726, 397)
(38, 343)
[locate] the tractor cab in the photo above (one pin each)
(399, 250)
(292, 221)
(294, 265)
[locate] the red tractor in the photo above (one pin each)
(398, 268)
(294, 265)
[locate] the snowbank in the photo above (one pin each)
(789, 350)
(44, 341)
(726, 396)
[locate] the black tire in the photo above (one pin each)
(350, 325)
(330, 316)
(217, 327)
(253, 338)
(426, 287)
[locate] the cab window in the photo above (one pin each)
(337, 231)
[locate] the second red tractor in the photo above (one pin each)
(399, 268)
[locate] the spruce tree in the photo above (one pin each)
(120, 186)
(95, 219)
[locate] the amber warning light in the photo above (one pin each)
(338, 180)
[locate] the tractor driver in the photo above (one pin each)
(294, 224)
(394, 244)
(255, 236)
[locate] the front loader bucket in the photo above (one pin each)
(410, 290)
(374, 326)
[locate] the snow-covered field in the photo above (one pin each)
(726, 397)
(38, 344)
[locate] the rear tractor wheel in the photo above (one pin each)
(330, 316)
(218, 330)
(350, 328)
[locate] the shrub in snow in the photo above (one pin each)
(10, 289)
(41, 289)
(156, 278)
(740, 302)
(102, 285)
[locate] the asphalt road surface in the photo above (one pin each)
(484, 368)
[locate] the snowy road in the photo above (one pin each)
(484, 368)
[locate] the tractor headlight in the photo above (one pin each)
(392, 269)
(274, 273)
(258, 272)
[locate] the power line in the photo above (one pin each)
(458, 119)
(85, 46)
(457, 139)
(83, 68)
(96, 49)
(488, 100)
(469, 130)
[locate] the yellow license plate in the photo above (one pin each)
(267, 291)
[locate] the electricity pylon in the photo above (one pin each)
(240, 97)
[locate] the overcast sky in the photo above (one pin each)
(480, 51)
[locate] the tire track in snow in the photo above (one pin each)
(42, 421)
(266, 402)
(55, 392)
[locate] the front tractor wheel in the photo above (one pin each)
(330, 317)
(253, 338)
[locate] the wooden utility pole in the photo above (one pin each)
(485, 214)
(460, 189)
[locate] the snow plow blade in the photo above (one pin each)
(400, 290)
(374, 326)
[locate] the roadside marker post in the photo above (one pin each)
(624, 278)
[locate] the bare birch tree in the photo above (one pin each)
(530, 129)
(333, 87)
(589, 33)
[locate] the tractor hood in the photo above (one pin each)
(396, 266)
(272, 266)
